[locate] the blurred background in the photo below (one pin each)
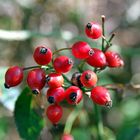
(24, 24)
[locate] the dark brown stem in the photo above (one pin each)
(32, 67)
(103, 30)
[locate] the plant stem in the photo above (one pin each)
(98, 117)
(108, 42)
(99, 124)
(103, 30)
(66, 78)
(32, 67)
(71, 118)
(61, 50)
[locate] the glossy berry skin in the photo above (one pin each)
(81, 50)
(73, 95)
(54, 113)
(13, 76)
(55, 95)
(42, 55)
(98, 59)
(62, 64)
(88, 78)
(113, 59)
(36, 80)
(101, 96)
(54, 80)
(93, 30)
(67, 137)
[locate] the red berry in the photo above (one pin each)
(81, 50)
(55, 95)
(73, 95)
(36, 80)
(13, 76)
(54, 113)
(67, 137)
(88, 78)
(62, 64)
(42, 55)
(98, 59)
(113, 59)
(101, 96)
(54, 80)
(93, 30)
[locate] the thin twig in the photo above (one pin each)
(32, 67)
(103, 30)
(66, 78)
(61, 50)
(72, 117)
(99, 123)
(109, 42)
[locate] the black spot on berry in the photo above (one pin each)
(87, 76)
(51, 100)
(73, 96)
(43, 50)
(89, 26)
(6, 86)
(35, 91)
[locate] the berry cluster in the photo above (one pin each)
(50, 71)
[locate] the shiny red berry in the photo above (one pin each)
(55, 95)
(36, 80)
(62, 64)
(81, 50)
(73, 95)
(42, 55)
(93, 30)
(113, 59)
(54, 80)
(54, 113)
(101, 96)
(67, 137)
(98, 59)
(88, 78)
(13, 76)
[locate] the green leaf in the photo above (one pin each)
(28, 122)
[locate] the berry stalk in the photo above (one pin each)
(32, 67)
(103, 30)
(71, 118)
(48, 67)
(66, 78)
(98, 117)
(61, 50)
(108, 42)
(99, 123)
